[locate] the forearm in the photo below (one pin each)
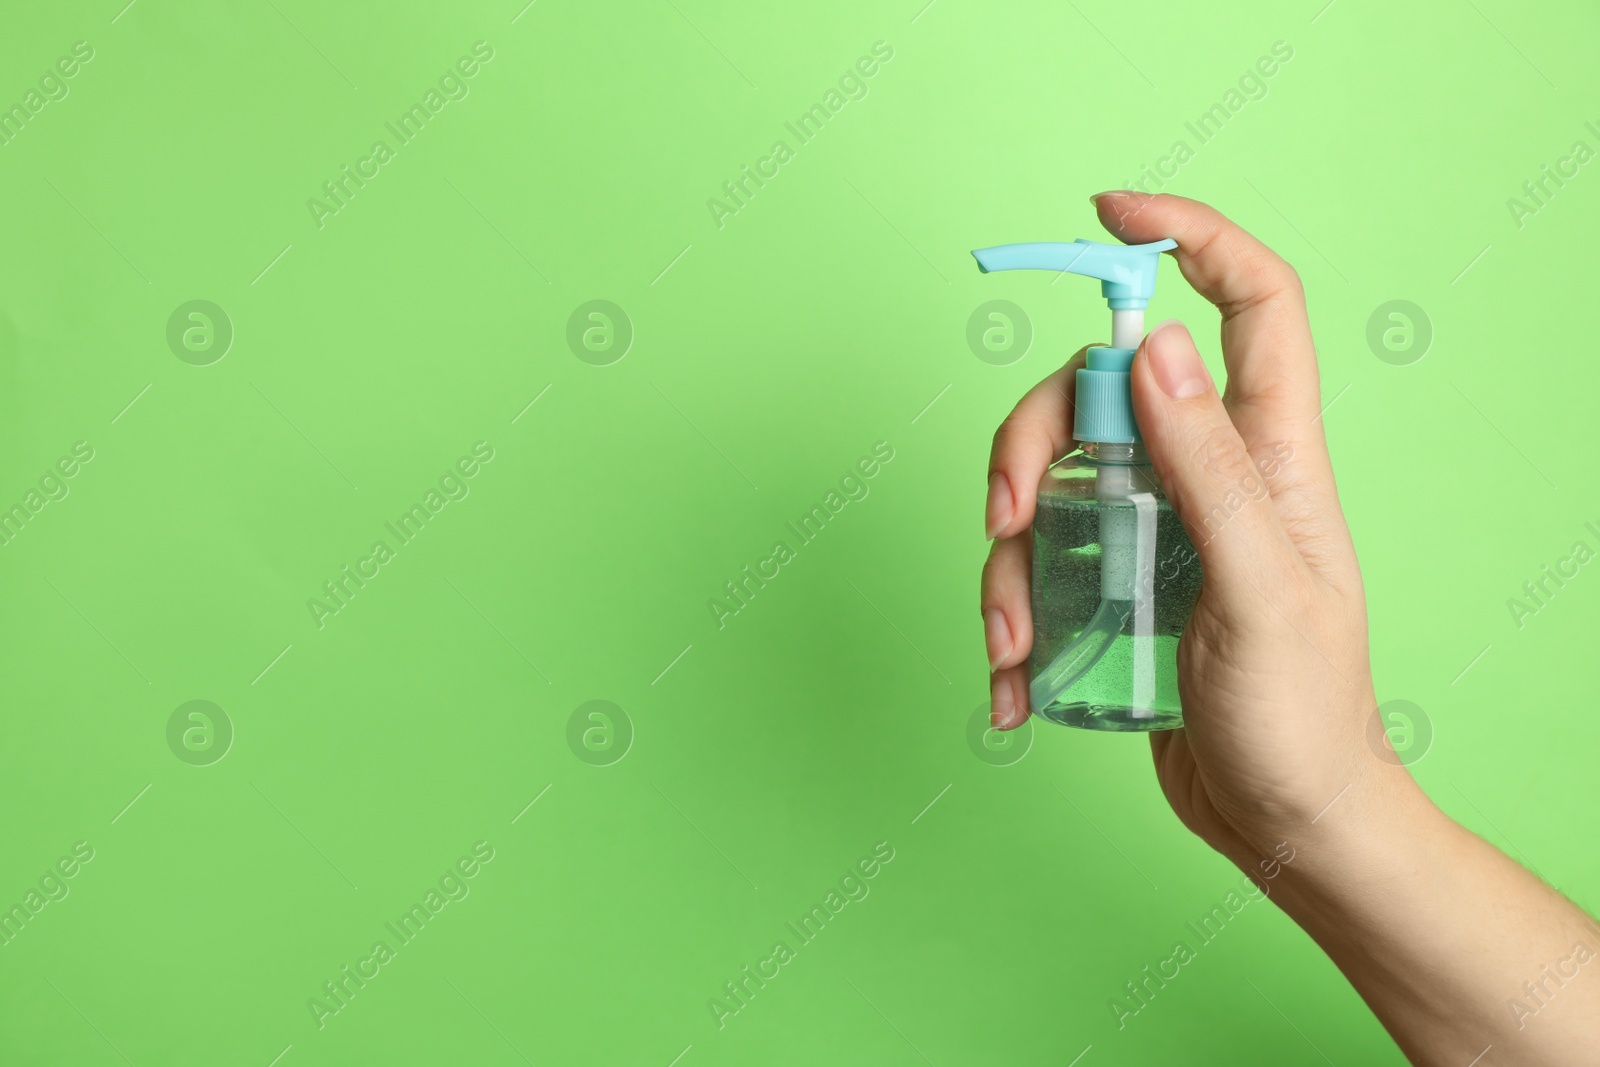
(1455, 947)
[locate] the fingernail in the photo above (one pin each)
(996, 636)
(1174, 361)
(1001, 706)
(998, 510)
(1095, 199)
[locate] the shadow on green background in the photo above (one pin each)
(361, 349)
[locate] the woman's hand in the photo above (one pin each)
(1449, 941)
(1272, 669)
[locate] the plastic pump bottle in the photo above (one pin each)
(1115, 576)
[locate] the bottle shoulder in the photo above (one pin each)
(1077, 478)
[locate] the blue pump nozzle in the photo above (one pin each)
(1127, 273)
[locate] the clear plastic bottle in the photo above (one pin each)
(1115, 578)
(1114, 574)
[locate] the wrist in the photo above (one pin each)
(1371, 841)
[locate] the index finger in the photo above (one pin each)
(1266, 336)
(1274, 393)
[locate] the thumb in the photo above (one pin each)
(1201, 460)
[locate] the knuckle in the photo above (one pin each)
(1273, 459)
(1002, 434)
(1221, 454)
(1290, 279)
(988, 593)
(1018, 434)
(1274, 272)
(996, 570)
(1006, 573)
(1227, 484)
(1263, 276)
(989, 566)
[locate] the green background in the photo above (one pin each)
(763, 758)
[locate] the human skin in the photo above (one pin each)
(1436, 929)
